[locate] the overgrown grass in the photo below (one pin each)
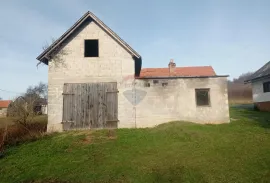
(16, 133)
(10, 121)
(174, 152)
(5, 121)
(240, 101)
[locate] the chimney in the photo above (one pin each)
(172, 66)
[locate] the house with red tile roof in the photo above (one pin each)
(96, 80)
(3, 107)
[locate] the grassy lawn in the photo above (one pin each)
(174, 152)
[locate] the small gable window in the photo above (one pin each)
(91, 48)
(202, 97)
(266, 87)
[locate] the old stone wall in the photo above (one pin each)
(141, 103)
(175, 101)
(114, 64)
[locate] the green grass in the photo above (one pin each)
(174, 152)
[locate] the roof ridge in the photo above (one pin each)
(255, 75)
(66, 34)
(175, 67)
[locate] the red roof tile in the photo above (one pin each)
(178, 71)
(5, 103)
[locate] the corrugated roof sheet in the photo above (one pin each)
(264, 71)
(5, 103)
(178, 71)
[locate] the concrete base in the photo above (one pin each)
(55, 128)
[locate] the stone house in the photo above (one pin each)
(41, 106)
(260, 82)
(4, 107)
(95, 80)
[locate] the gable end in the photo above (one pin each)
(43, 57)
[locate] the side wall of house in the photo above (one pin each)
(176, 101)
(3, 112)
(114, 64)
(257, 90)
(261, 99)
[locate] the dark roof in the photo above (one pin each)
(43, 56)
(263, 72)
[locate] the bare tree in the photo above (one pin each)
(23, 108)
(238, 91)
(3, 136)
(243, 77)
(0, 98)
(55, 56)
(41, 90)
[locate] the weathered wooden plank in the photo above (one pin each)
(104, 105)
(92, 109)
(73, 107)
(64, 104)
(70, 105)
(85, 98)
(76, 87)
(80, 122)
(99, 107)
(91, 105)
(82, 105)
(111, 102)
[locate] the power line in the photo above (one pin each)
(10, 91)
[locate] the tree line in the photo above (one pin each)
(238, 91)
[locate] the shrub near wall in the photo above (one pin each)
(16, 134)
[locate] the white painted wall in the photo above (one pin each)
(44, 109)
(177, 102)
(257, 90)
(3, 112)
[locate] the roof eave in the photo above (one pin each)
(256, 79)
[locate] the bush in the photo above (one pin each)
(16, 134)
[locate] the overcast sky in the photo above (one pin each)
(232, 36)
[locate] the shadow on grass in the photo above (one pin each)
(246, 112)
(176, 173)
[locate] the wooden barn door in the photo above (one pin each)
(90, 105)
